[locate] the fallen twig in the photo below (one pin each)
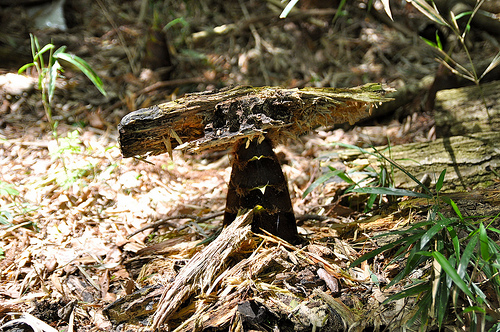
(166, 221)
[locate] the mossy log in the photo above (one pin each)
(470, 161)
(468, 110)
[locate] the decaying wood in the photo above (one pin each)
(215, 120)
(203, 268)
(468, 110)
(470, 161)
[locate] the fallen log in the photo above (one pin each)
(468, 110)
(471, 161)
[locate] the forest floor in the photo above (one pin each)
(68, 206)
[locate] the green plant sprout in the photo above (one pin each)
(454, 66)
(50, 71)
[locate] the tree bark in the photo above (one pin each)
(470, 161)
(468, 110)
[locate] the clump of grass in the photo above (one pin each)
(458, 255)
(48, 72)
(431, 12)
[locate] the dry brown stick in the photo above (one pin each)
(159, 85)
(244, 24)
(203, 268)
(166, 221)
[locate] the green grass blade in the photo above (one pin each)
(433, 231)
(389, 191)
(402, 169)
(452, 273)
(411, 291)
(388, 246)
(320, 180)
(84, 67)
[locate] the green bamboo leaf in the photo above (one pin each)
(453, 205)
(468, 256)
(84, 67)
(440, 181)
(26, 66)
(452, 273)
(411, 291)
(433, 231)
(345, 178)
(483, 243)
(389, 191)
(320, 180)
